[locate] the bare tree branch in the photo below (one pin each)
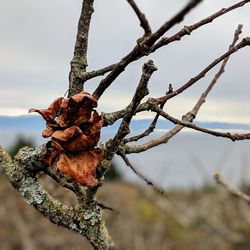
(143, 20)
(85, 221)
(233, 191)
(79, 61)
(185, 122)
(86, 218)
(189, 117)
(142, 48)
(166, 40)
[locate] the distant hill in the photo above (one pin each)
(22, 123)
(35, 123)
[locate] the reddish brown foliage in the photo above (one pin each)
(74, 128)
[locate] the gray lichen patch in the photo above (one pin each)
(29, 190)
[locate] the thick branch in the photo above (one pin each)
(85, 221)
(79, 61)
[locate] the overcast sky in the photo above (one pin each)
(37, 41)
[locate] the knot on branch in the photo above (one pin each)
(143, 45)
(149, 67)
(189, 117)
(187, 30)
(246, 40)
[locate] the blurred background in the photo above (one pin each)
(37, 41)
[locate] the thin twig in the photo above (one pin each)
(173, 21)
(139, 174)
(102, 206)
(233, 191)
(188, 29)
(220, 72)
(141, 16)
(245, 42)
(185, 122)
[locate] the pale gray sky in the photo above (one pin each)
(37, 40)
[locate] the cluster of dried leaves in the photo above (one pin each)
(74, 127)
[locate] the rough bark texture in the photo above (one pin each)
(86, 221)
(79, 62)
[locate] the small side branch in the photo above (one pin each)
(143, 20)
(233, 191)
(99, 72)
(140, 175)
(151, 127)
(140, 93)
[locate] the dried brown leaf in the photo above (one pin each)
(51, 112)
(48, 131)
(81, 166)
(66, 134)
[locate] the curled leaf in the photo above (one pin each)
(50, 113)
